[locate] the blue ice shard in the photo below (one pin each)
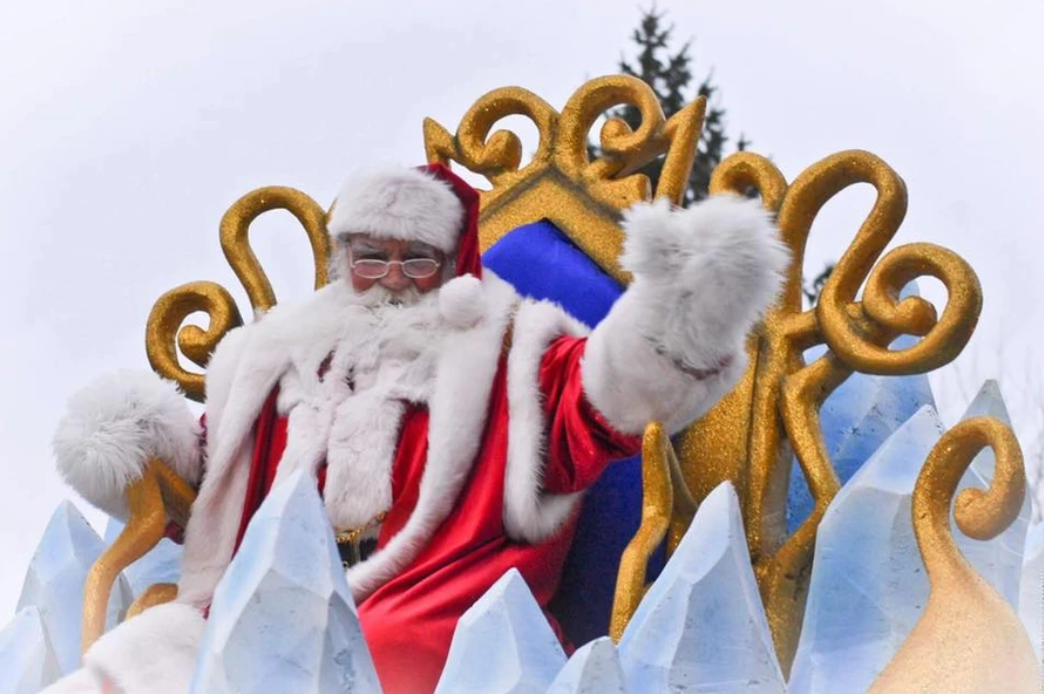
(283, 619)
(27, 661)
(502, 645)
(868, 585)
(55, 580)
(702, 626)
(593, 669)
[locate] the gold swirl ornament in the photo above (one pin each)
(158, 496)
(164, 334)
(969, 640)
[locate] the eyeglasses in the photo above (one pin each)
(414, 268)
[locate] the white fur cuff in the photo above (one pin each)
(672, 345)
(114, 426)
(707, 273)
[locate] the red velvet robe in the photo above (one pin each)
(409, 621)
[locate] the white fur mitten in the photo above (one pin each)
(114, 426)
(672, 345)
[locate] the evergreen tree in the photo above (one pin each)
(670, 75)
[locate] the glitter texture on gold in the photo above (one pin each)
(147, 502)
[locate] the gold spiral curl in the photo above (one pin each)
(164, 334)
(980, 513)
(622, 147)
(498, 155)
(944, 336)
(235, 239)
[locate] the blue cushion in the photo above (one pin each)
(541, 262)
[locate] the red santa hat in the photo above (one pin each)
(430, 204)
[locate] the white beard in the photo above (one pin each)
(384, 357)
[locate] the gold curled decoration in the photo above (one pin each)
(164, 334)
(969, 639)
(157, 496)
(496, 157)
(844, 330)
(145, 525)
(581, 197)
(235, 238)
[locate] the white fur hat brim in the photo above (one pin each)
(408, 204)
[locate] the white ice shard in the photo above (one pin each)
(162, 564)
(27, 661)
(868, 585)
(55, 580)
(283, 619)
(701, 628)
(1031, 601)
(999, 561)
(502, 645)
(593, 669)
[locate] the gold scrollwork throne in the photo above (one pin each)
(752, 435)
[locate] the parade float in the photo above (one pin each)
(819, 531)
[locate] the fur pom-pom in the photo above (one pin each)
(461, 302)
(114, 425)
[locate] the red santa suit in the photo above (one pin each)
(411, 617)
(473, 419)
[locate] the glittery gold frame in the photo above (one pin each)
(749, 438)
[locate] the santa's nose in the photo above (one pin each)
(395, 280)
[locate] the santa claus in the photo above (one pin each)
(451, 422)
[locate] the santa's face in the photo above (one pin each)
(400, 268)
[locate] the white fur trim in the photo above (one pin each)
(399, 204)
(243, 370)
(530, 514)
(466, 366)
(287, 346)
(114, 425)
(702, 278)
(152, 653)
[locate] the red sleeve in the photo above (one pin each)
(580, 443)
